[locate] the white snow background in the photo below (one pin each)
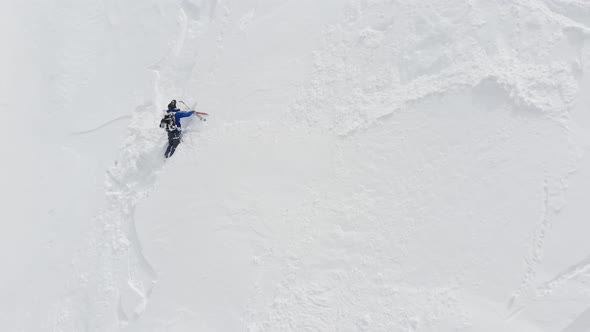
(368, 165)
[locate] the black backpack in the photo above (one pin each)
(168, 122)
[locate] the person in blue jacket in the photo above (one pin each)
(173, 127)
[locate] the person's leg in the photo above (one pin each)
(170, 143)
(167, 154)
(174, 144)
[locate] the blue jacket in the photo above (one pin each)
(179, 115)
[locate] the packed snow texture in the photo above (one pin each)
(368, 165)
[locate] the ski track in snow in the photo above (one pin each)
(124, 277)
(95, 129)
(562, 278)
(536, 254)
(147, 163)
(115, 254)
(134, 175)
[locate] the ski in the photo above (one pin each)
(200, 115)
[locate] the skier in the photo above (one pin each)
(171, 122)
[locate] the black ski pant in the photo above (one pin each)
(173, 141)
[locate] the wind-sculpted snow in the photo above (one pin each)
(386, 55)
(367, 166)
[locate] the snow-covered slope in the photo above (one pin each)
(367, 166)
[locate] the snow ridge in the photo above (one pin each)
(453, 47)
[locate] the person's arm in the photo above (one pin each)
(181, 115)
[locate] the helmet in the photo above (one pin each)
(172, 104)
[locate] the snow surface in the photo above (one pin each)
(368, 165)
